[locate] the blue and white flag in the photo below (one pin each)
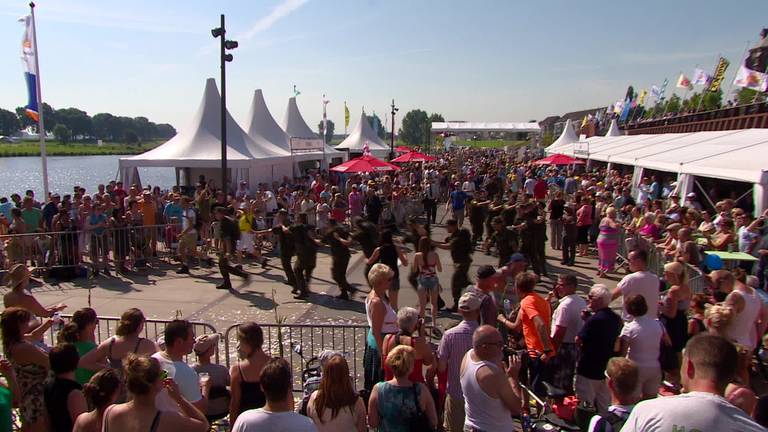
(625, 111)
(28, 59)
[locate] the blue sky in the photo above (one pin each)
(469, 60)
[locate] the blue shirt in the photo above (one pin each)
(94, 219)
(173, 211)
(5, 209)
(458, 199)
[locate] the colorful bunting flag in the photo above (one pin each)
(683, 82)
(719, 76)
(701, 77)
(750, 79)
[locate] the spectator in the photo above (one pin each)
(247, 394)
(399, 403)
(687, 251)
(608, 242)
(335, 406)
(583, 224)
(483, 289)
(218, 397)
(674, 312)
(566, 324)
(639, 341)
(426, 263)
(640, 281)
(699, 303)
(390, 254)
(412, 334)
(111, 352)
(63, 396)
(491, 391)
(382, 320)
(709, 364)
(277, 414)
(534, 319)
(144, 381)
(100, 392)
(30, 364)
(179, 338)
(455, 343)
(457, 204)
(18, 278)
(596, 341)
(622, 375)
(79, 331)
(9, 393)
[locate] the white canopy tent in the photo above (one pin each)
(736, 155)
(361, 134)
(459, 127)
(196, 150)
(295, 127)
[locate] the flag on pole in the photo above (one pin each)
(346, 115)
(683, 82)
(28, 54)
(751, 79)
(325, 118)
(719, 76)
(618, 107)
(295, 91)
(701, 77)
(641, 98)
(584, 121)
(625, 110)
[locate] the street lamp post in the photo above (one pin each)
(392, 137)
(220, 32)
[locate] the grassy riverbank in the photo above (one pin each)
(75, 149)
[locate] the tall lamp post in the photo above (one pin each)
(220, 32)
(392, 137)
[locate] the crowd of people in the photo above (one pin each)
(672, 346)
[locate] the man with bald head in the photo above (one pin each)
(491, 391)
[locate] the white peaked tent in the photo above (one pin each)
(196, 149)
(362, 134)
(613, 129)
(567, 137)
(263, 126)
(295, 127)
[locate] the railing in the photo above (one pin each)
(153, 328)
(730, 118)
(298, 343)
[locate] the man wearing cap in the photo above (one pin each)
(484, 289)
(218, 399)
(692, 202)
(459, 242)
(173, 209)
(455, 343)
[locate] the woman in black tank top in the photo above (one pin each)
(389, 253)
(245, 387)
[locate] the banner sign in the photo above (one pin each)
(306, 144)
(581, 148)
(722, 65)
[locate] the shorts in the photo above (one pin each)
(187, 242)
(428, 283)
(582, 234)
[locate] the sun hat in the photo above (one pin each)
(16, 275)
(204, 342)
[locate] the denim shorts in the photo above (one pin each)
(428, 283)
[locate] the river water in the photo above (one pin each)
(17, 174)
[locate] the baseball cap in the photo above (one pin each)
(485, 272)
(469, 301)
(204, 342)
(516, 258)
(691, 195)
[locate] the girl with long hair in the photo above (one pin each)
(335, 406)
(80, 332)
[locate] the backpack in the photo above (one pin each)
(612, 419)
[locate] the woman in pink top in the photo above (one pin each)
(583, 223)
(355, 203)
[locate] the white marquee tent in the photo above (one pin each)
(196, 150)
(361, 134)
(736, 155)
(295, 127)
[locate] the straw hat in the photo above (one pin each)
(16, 275)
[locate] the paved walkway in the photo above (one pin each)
(163, 294)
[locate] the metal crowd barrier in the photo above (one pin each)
(153, 328)
(298, 343)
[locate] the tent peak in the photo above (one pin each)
(613, 129)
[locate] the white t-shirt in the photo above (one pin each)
(270, 204)
(644, 283)
(188, 220)
(184, 376)
(468, 187)
(529, 185)
(258, 420)
(644, 337)
(695, 411)
(568, 315)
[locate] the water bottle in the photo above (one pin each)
(507, 307)
(57, 322)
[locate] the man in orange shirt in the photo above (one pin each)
(534, 320)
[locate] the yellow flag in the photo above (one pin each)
(584, 122)
(346, 115)
(641, 99)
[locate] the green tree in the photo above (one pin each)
(25, 121)
(166, 131)
(413, 127)
(62, 133)
(131, 137)
(547, 139)
(376, 125)
(9, 123)
(673, 105)
(78, 121)
(329, 133)
(746, 96)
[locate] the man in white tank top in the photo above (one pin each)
(750, 320)
(491, 391)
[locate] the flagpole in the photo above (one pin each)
(325, 132)
(41, 110)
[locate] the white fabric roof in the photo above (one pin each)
(485, 127)
(261, 124)
(740, 155)
(613, 129)
(567, 137)
(295, 127)
(199, 145)
(362, 133)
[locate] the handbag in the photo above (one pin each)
(420, 422)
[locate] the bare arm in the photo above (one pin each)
(543, 331)
(622, 346)
(234, 400)
(427, 405)
(374, 257)
(373, 408)
(76, 404)
(377, 319)
(438, 264)
(557, 338)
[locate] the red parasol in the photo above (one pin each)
(413, 157)
(403, 149)
(559, 159)
(365, 164)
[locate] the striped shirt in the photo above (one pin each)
(456, 342)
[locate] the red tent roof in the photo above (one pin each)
(413, 157)
(403, 149)
(365, 164)
(559, 159)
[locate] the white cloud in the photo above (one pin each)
(283, 9)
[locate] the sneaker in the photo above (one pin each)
(239, 266)
(224, 287)
(183, 270)
(301, 296)
(343, 296)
